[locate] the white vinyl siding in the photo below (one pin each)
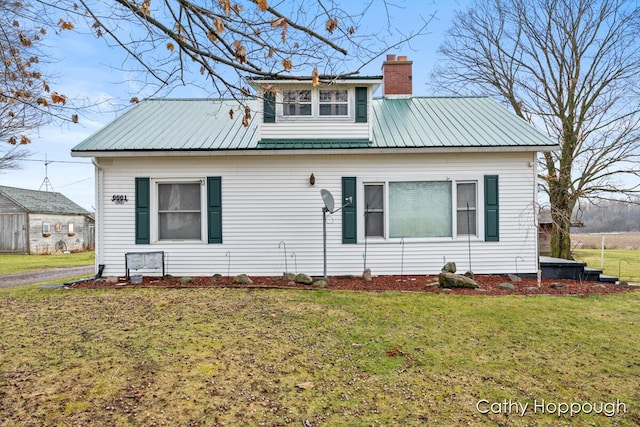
(268, 199)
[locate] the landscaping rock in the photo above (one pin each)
(451, 280)
(558, 286)
(242, 279)
(320, 283)
(449, 267)
(185, 279)
(289, 276)
(514, 278)
(366, 274)
(533, 289)
(303, 278)
(507, 286)
(470, 275)
(623, 284)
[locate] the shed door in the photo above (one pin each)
(13, 233)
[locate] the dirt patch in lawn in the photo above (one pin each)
(489, 285)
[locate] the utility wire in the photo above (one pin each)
(76, 182)
(54, 161)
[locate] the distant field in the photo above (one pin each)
(621, 263)
(629, 240)
(621, 254)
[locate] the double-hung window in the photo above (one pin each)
(420, 209)
(316, 103)
(180, 211)
(374, 210)
(296, 102)
(466, 208)
(334, 102)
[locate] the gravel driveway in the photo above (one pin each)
(42, 276)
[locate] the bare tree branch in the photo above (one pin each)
(569, 66)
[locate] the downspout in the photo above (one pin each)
(99, 172)
(535, 219)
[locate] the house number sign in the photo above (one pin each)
(119, 199)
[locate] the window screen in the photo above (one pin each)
(179, 211)
(374, 210)
(420, 209)
(466, 208)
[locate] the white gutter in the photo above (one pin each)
(316, 151)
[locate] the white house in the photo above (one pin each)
(424, 180)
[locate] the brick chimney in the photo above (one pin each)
(397, 77)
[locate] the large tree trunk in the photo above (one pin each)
(562, 201)
(561, 236)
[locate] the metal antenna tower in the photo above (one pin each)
(46, 183)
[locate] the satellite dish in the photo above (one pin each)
(327, 198)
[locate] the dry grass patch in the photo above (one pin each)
(626, 240)
(278, 357)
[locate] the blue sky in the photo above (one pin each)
(88, 69)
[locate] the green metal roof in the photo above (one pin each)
(42, 201)
(175, 125)
(279, 144)
(450, 122)
(417, 122)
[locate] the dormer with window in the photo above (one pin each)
(296, 114)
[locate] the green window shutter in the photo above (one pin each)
(361, 104)
(142, 211)
(349, 219)
(491, 211)
(214, 209)
(269, 107)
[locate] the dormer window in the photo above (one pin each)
(334, 102)
(315, 103)
(299, 102)
(296, 102)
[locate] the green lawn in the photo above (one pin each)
(12, 263)
(145, 357)
(621, 263)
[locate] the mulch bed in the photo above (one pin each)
(488, 285)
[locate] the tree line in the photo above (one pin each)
(609, 216)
